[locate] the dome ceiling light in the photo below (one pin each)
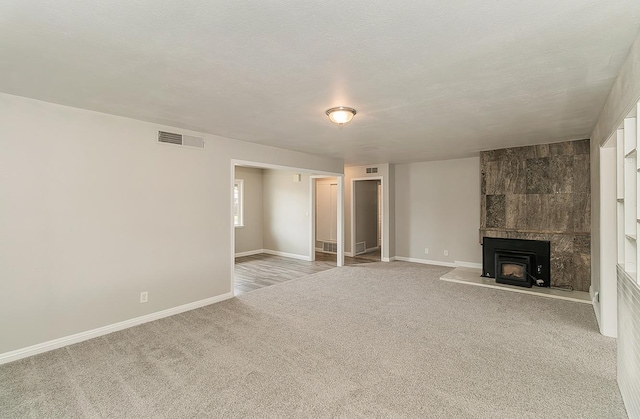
(341, 115)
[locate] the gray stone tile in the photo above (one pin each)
(484, 158)
(562, 243)
(495, 211)
(483, 179)
(549, 212)
(516, 211)
(582, 243)
(581, 213)
(561, 149)
(494, 233)
(581, 174)
(541, 236)
(535, 212)
(581, 273)
(559, 211)
(561, 267)
(582, 147)
(514, 176)
(537, 174)
(519, 153)
(491, 181)
(561, 174)
(504, 177)
(515, 235)
(494, 155)
(541, 150)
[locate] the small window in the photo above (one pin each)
(237, 203)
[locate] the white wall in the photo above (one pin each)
(93, 211)
(437, 206)
(286, 213)
(623, 97)
(249, 237)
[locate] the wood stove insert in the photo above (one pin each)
(517, 262)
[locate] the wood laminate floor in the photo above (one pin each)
(259, 271)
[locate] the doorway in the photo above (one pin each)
(326, 222)
(272, 215)
(367, 218)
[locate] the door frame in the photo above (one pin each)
(606, 302)
(353, 214)
(340, 198)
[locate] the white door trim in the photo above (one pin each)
(606, 302)
(339, 216)
(353, 214)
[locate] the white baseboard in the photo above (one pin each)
(383, 259)
(371, 249)
(596, 307)
(287, 255)
(426, 261)
(461, 264)
(105, 330)
(249, 253)
(455, 264)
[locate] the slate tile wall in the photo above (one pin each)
(542, 192)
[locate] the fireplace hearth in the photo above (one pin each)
(517, 262)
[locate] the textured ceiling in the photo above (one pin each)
(430, 79)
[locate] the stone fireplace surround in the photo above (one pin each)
(542, 192)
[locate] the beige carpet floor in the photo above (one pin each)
(374, 340)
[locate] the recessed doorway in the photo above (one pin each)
(367, 218)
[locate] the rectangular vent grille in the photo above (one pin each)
(179, 139)
(330, 247)
(190, 141)
(169, 137)
(372, 170)
(361, 248)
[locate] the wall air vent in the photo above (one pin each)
(179, 139)
(169, 137)
(361, 247)
(372, 170)
(330, 247)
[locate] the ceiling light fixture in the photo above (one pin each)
(341, 115)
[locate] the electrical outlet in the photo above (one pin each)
(426, 250)
(446, 253)
(144, 296)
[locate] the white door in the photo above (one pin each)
(326, 212)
